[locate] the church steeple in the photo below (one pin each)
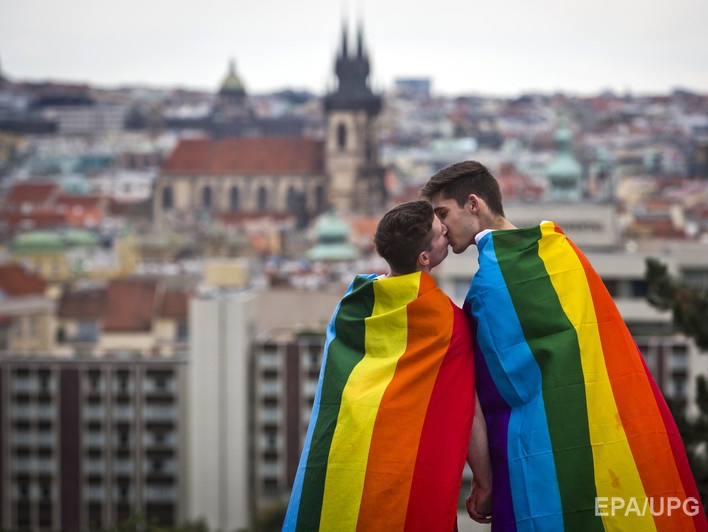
(356, 177)
(353, 69)
(360, 42)
(344, 51)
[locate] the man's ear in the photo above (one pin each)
(473, 202)
(423, 259)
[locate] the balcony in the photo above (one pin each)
(160, 413)
(160, 493)
(22, 411)
(94, 493)
(267, 361)
(94, 467)
(270, 388)
(123, 467)
(94, 439)
(22, 439)
(94, 413)
(152, 386)
(269, 415)
(162, 441)
(160, 467)
(45, 411)
(45, 439)
(123, 413)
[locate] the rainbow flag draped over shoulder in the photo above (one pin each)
(581, 438)
(392, 414)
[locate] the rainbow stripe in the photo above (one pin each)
(392, 415)
(580, 436)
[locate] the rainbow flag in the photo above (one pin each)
(581, 438)
(392, 414)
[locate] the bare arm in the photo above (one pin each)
(479, 502)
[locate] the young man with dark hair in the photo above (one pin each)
(580, 436)
(392, 419)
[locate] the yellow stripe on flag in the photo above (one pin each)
(385, 343)
(616, 474)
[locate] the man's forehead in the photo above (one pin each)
(440, 203)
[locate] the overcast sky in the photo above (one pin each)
(494, 47)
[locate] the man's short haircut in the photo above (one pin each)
(459, 180)
(403, 233)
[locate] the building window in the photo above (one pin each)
(341, 137)
(17, 327)
(262, 199)
(43, 382)
(94, 381)
(292, 199)
(695, 277)
(320, 198)
(182, 332)
(206, 197)
(87, 332)
(234, 199)
(167, 198)
(640, 288)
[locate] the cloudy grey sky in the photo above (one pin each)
(500, 47)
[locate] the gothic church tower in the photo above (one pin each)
(351, 146)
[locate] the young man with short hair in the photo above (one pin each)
(392, 420)
(580, 436)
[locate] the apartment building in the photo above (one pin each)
(88, 442)
(286, 366)
(91, 402)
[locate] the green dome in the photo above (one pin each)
(564, 166)
(332, 226)
(564, 172)
(332, 252)
(332, 240)
(232, 83)
(76, 238)
(38, 243)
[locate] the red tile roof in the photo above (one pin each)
(82, 304)
(129, 305)
(34, 192)
(16, 281)
(79, 200)
(36, 219)
(174, 304)
(272, 155)
(124, 305)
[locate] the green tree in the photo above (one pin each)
(689, 311)
(688, 305)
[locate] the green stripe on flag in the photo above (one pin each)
(344, 353)
(554, 343)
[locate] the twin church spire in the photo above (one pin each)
(352, 68)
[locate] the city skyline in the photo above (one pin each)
(505, 49)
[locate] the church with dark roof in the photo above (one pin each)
(248, 166)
